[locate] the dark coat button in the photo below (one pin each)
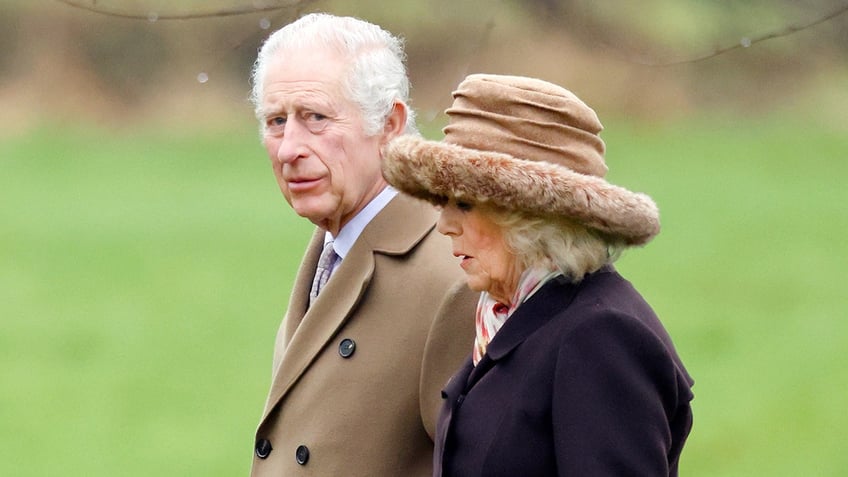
(301, 455)
(263, 448)
(347, 347)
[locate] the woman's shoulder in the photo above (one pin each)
(608, 313)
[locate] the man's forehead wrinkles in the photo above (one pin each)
(300, 99)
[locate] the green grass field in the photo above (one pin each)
(143, 276)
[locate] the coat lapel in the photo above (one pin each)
(529, 317)
(321, 321)
(554, 297)
(307, 331)
(299, 299)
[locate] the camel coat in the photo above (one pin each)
(357, 377)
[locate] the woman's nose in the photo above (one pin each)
(447, 224)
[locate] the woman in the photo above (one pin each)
(571, 372)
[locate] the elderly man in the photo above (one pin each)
(379, 316)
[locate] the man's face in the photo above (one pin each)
(326, 167)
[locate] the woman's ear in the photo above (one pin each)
(396, 122)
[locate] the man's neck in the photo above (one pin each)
(351, 231)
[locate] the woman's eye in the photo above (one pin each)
(464, 206)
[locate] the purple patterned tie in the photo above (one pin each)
(323, 270)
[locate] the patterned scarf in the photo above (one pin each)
(491, 314)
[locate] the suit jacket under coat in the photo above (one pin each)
(401, 297)
(582, 380)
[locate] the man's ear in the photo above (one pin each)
(395, 122)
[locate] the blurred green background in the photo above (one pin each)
(146, 254)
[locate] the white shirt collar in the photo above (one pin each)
(353, 229)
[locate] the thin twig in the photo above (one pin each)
(747, 42)
(92, 6)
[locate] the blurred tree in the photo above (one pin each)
(649, 30)
(736, 53)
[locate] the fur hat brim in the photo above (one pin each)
(439, 171)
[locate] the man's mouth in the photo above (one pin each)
(298, 184)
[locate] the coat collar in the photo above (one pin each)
(543, 306)
(531, 315)
(554, 297)
(307, 331)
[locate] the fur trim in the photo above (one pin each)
(435, 171)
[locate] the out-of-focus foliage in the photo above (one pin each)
(60, 58)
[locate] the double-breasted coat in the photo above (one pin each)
(357, 376)
(582, 380)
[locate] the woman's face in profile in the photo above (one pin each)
(479, 243)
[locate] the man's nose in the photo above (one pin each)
(293, 143)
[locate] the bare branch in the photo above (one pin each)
(92, 6)
(746, 42)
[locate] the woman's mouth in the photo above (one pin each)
(464, 259)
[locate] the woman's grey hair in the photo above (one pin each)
(377, 76)
(572, 248)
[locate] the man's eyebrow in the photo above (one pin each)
(305, 102)
(267, 113)
(315, 104)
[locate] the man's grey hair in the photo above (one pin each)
(376, 77)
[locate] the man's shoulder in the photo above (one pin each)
(406, 209)
(400, 226)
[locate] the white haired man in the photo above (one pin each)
(361, 357)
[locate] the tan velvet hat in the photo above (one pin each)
(522, 144)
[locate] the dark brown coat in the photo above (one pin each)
(582, 380)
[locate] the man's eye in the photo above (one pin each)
(277, 121)
(316, 122)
